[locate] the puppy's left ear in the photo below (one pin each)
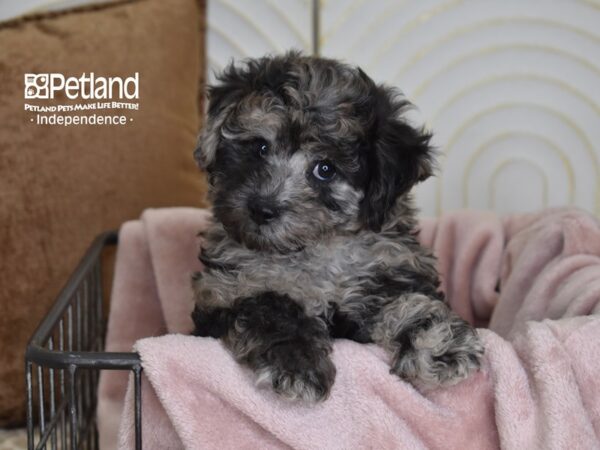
(399, 156)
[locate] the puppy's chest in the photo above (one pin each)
(316, 276)
(324, 272)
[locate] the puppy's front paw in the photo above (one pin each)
(443, 353)
(296, 371)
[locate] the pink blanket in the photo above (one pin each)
(532, 280)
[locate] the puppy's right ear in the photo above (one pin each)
(222, 97)
(208, 141)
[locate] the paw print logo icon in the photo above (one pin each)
(37, 85)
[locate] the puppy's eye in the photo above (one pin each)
(324, 171)
(262, 148)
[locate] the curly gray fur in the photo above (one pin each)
(338, 254)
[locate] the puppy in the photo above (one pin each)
(310, 164)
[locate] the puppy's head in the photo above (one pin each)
(300, 148)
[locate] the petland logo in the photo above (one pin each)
(92, 100)
(87, 86)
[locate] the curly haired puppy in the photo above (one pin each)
(310, 164)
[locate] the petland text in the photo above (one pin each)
(87, 86)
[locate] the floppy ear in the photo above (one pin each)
(232, 85)
(399, 156)
(208, 141)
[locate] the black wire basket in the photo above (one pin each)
(64, 358)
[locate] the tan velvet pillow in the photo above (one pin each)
(60, 186)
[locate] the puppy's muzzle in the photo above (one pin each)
(262, 210)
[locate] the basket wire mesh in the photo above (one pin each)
(64, 358)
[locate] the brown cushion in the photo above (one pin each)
(60, 186)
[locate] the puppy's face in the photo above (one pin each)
(298, 149)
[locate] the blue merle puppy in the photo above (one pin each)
(310, 164)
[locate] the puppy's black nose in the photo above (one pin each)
(262, 210)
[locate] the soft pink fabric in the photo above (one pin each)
(539, 386)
